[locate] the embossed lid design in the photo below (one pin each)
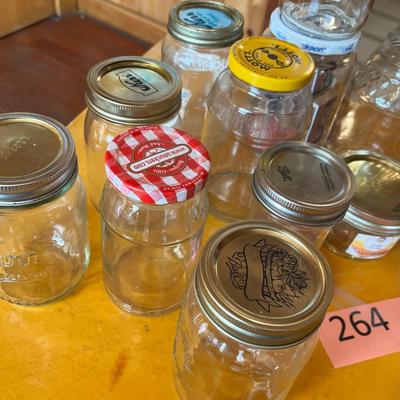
(304, 183)
(133, 90)
(157, 165)
(270, 64)
(263, 284)
(37, 159)
(376, 204)
(205, 23)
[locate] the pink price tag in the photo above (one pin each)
(359, 333)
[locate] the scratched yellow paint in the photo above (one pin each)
(83, 347)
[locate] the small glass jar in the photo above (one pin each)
(371, 226)
(153, 213)
(263, 98)
(250, 320)
(197, 46)
(123, 92)
(44, 246)
(303, 187)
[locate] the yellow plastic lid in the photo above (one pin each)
(270, 64)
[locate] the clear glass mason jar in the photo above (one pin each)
(123, 92)
(371, 226)
(250, 320)
(44, 245)
(303, 187)
(197, 46)
(329, 31)
(153, 213)
(261, 99)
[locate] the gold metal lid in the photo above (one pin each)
(376, 204)
(37, 158)
(263, 285)
(303, 183)
(133, 90)
(205, 23)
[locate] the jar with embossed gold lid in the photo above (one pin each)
(251, 317)
(44, 244)
(124, 92)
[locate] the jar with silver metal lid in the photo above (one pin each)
(123, 92)
(197, 46)
(44, 245)
(251, 318)
(371, 226)
(302, 186)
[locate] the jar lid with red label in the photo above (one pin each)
(157, 165)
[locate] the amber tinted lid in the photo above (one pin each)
(263, 284)
(376, 204)
(133, 90)
(37, 158)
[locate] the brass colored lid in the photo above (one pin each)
(263, 284)
(376, 204)
(303, 183)
(205, 23)
(133, 90)
(37, 158)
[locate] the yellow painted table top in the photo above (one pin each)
(83, 347)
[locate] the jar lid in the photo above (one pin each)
(37, 158)
(376, 204)
(263, 284)
(205, 23)
(304, 183)
(133, 90)
(270, 64)
(157, 165)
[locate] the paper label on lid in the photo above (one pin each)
(206, 18)
(370, 247)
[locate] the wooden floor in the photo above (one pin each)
(43, 67)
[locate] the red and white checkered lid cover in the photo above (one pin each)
(157, 165)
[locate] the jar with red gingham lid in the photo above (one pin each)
(153, 213)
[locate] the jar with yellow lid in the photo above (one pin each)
(251, 318)
(263, 98)
(371, 226)
(125, 92)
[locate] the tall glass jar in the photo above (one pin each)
(44, 246)
(329, 31)
(371, 226)
(123, 92)
(303, 187)
(370, 115)
(250, 320)
(197, 46)
(263, 98)
(153, 213)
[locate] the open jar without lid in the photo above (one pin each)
(251, 317)
(371, 226)
(44, 247)
(124, 92)
(302, 186)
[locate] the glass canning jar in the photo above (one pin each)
(371, 226)
(123, 92)
(197, 46)
(261, 99)
(44, 247)
(153, 211)
(303, 187)
(251, 318)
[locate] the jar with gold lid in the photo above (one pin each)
(251, 317)
(44, 244)
(371, 226)
(124, 92)
(303, 187)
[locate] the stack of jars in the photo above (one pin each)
(225, 121)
